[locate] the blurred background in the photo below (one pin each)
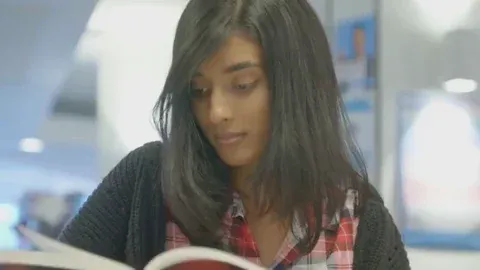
(78, 81)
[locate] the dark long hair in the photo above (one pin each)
(310, 159)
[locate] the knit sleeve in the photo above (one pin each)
(396, 254)
(101, 225)
(379, 244)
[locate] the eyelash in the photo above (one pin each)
(243, 86)
(199, 92)
(237, 87)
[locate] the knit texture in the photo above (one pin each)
(124, 219)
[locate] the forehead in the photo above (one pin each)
(237, 48)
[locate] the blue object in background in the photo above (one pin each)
(355, 62)
(424, 238)
(358, 105)
(345, 34)
(9, 216)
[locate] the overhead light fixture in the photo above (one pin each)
(459, 71)
(442, 16)
(31, 145)
(460, 85)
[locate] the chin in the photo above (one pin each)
(237, 159)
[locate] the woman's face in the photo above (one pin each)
(231, 101)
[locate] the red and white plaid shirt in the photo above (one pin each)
(334, 249)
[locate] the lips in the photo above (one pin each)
(229, 137)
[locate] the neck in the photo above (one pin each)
(239, 180)
(241, 184)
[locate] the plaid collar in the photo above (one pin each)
(333, 250)
(237, 210)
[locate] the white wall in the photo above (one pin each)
(410, 32)
(137, 42)
(410, 37)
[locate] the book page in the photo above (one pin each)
(56, 260)
(180, 255)
(58, 255)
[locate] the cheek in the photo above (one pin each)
(200, 116)
(260, 125)
(260, 112)
(263, 118)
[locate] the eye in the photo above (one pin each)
(199, 92)
(244, 86)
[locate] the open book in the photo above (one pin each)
(58, 255)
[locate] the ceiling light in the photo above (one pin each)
(31, 145)
(442, 16)
(460, 85)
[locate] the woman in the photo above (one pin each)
(253, 129)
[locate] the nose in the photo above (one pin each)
(220, 109)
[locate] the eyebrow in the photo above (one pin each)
(240, 66)
(236, 67)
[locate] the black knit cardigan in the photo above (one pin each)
(124, 219)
